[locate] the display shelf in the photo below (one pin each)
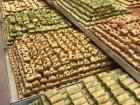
(7, 81)
(99, 43)
(12, 85)
(13, 89)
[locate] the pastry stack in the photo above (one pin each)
(45, 61)
(90, 12)
(122, 35)
(107, 88)
(31, 22)
(13, 6)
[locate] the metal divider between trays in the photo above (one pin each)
(26, 101)
(128, 68)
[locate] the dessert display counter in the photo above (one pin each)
(47, 58)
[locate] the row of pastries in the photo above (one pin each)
(121, 34)
(30, 22)
(107, 88)
(47, 60)
(90, 12)
(10, 7)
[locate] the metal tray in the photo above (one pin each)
(12, 85)
(112, 54)
(13, 89)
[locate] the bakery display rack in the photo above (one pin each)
(15, 51)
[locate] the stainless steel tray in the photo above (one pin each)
(12, 85)
(13, 89)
